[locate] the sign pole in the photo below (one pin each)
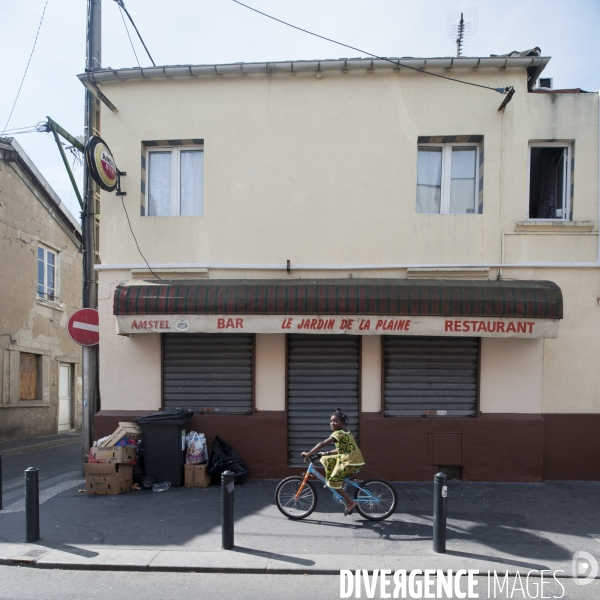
(91, 209)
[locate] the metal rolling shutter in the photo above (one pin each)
(208, 372)
(323, 374)
(424, 375)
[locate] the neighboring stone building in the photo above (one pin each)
(450, 245)
(40, 286)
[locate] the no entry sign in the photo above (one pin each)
(83, 327)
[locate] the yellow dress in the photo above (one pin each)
(347, 461)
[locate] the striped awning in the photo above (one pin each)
(391, 297)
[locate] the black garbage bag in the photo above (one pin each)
(222, 458)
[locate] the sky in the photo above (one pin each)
(221, 31)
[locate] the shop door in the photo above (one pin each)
(323, 374)
(64, 396)
(430, 376)
(208, 373)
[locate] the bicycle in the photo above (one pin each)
(296, 496)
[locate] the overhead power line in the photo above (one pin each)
(37, 128)
(130, 40)
(394, 62)
(26, 69)
(136, 242)
(121, 4)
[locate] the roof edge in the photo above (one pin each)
(100, 76)
(38, 178)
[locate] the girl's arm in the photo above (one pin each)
(329, 440)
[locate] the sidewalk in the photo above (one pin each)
(502, 527)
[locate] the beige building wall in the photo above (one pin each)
(371, 357)
(511, 376)
(29, 324)
(322, 171)
(130, 367)
(270, 371)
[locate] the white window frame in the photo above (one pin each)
(175, 152)
(567, 178)
(447, 175)
(44, 298)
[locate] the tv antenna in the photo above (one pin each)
(460, 26)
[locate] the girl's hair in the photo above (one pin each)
(341, 416)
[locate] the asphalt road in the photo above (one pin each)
(50, 462)
(55, 465)
(21, 583)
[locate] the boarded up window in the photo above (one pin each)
(28, 376)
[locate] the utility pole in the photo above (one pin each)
(91, 212)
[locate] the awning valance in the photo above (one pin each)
(356, 297)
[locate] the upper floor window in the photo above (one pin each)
(447, 176)
(549, 181)
(47, 267)
(175, 181)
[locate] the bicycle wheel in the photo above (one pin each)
(288, 504)
(381, 489)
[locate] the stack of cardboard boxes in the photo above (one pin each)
(111, 460)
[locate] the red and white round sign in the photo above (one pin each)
(83, 327)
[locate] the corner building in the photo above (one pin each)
(356, 234)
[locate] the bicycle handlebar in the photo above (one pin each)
(313, 457)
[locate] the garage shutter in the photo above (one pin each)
(208, 372)
(425, 376)
(322, 376)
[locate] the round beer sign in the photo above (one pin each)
(101, 163)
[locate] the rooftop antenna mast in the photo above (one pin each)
(460, 26)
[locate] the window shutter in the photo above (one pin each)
(28, 376)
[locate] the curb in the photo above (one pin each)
(149, 569)
(12, 562)
(40, 446)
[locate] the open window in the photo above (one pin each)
(549, 181)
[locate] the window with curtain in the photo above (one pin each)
(447, 179)
(175, 181)
(47, 265)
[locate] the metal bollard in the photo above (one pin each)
(32, 505)
(440, 493)
(1, 506)
(227, 510)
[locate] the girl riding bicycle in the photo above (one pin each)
(341, 462)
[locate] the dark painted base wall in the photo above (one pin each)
(572, 447)
(518, 448)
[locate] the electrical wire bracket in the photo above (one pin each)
(57, 130)
(510, 92)
(119, 192)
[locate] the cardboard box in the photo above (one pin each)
(108, 485)
(124, 455)
(196, 476)
(124, 430)
(111, 479)
(104, 470)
